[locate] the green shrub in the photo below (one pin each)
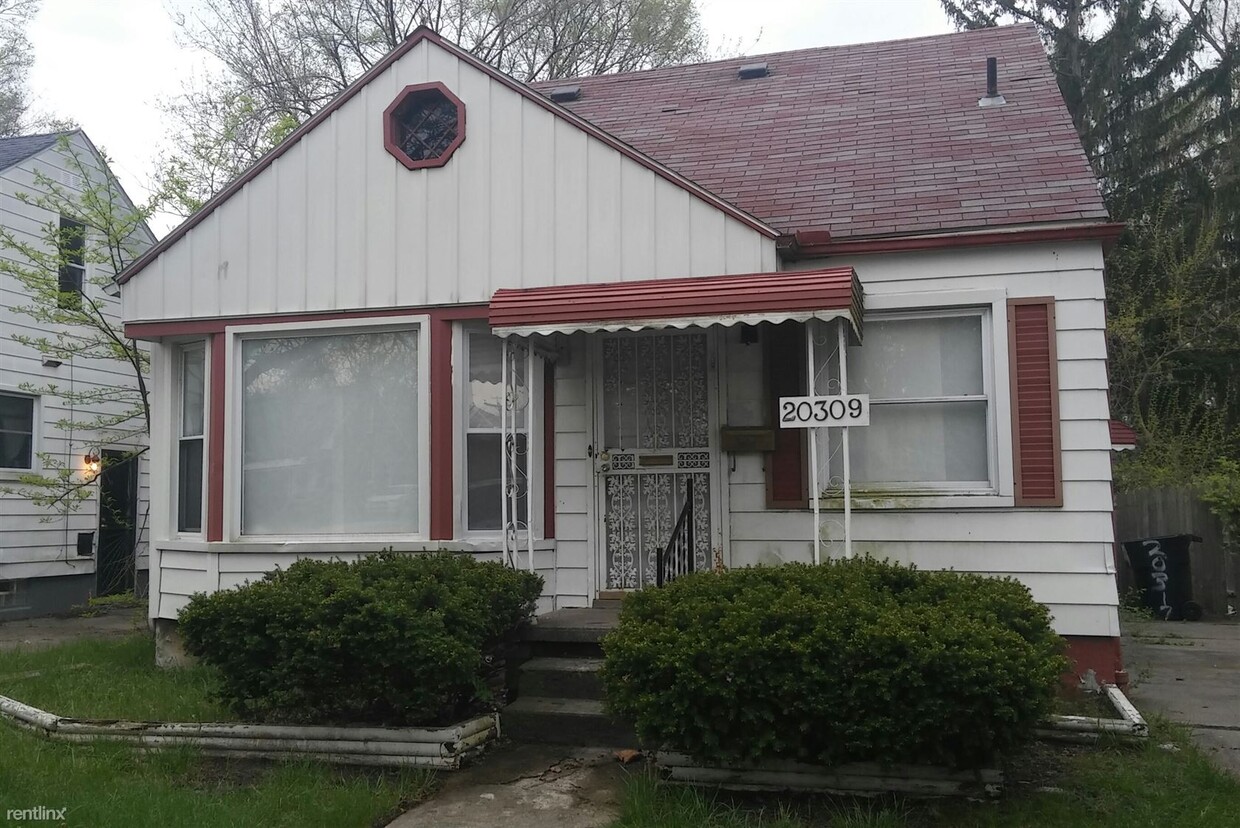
(848, 661)
(391, 639)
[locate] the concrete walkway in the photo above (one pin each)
(40, 633)
(1190, 673)
(527, 786)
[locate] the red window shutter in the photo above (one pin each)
(1035, 402)
(786, 467)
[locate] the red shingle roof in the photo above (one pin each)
(867, 140)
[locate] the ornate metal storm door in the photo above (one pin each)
(656, 435)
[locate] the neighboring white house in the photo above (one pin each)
(452, 303)
(51, 559)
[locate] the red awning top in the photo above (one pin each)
(1123, 437)
(829, 293)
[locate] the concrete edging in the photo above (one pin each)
(443, 748)
(870, 779)
(1130, 725)
(854, 779)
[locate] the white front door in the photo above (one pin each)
(655, 431)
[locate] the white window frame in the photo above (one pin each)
(60, 252)
(999, 492)
(234, 334)
(179, 350)
(460, 428)
(36, 432)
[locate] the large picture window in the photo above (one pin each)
(191, 419)
(16, 432)
(329, 434)
(928, 378)
(482, 407)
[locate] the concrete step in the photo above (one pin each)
(607, 604)
(562, 678)
(564, 722)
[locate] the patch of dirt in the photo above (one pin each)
(213, 774)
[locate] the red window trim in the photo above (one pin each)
(796, 440)
(549, 450)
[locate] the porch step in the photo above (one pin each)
(564, 722)
(561, 678)
(570, 632)
(607, 603)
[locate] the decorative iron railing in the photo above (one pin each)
(676, 559)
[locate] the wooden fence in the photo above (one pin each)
(1149, 513)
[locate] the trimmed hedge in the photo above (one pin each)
(391, 639)
(855, 660)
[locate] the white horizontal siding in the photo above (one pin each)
(1064, 555)
(527, 200)
(574, 475)
(184, 572)
(34, 541)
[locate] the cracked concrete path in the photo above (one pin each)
(1190, 673)
(526, 786)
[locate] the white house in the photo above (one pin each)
(53, 558)
(452, 303)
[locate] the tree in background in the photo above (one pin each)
(1151, 85)
(110, 234)
(284, 60)
(16, 58)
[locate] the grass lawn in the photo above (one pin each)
(106, 785)
(1113, 785)
(109, 679)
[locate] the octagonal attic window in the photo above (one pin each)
(424, 125)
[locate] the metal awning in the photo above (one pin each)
(802, 295)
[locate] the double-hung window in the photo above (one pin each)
(931, 397)
(71, 241)
(482, 407)
(17, 432)
(330, 432)
(191, 421)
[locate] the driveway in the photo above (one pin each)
(1190, 673)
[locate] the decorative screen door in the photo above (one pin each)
(656, 434)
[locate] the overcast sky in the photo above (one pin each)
(107, 63)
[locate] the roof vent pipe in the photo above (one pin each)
(563, 94)
(992, 98)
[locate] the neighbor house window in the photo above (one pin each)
(191, 420)
(928, 380)
(482, 408)
(72, 244)
(329, 434)
(16, 432)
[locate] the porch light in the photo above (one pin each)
(92, 464)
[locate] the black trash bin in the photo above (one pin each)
(1163, 572)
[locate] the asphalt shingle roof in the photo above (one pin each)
(20, 147)
(865, 140)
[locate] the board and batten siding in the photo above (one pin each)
(1063, 554)
(36, 543)
(529, 199)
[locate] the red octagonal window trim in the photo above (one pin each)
(392, 124)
